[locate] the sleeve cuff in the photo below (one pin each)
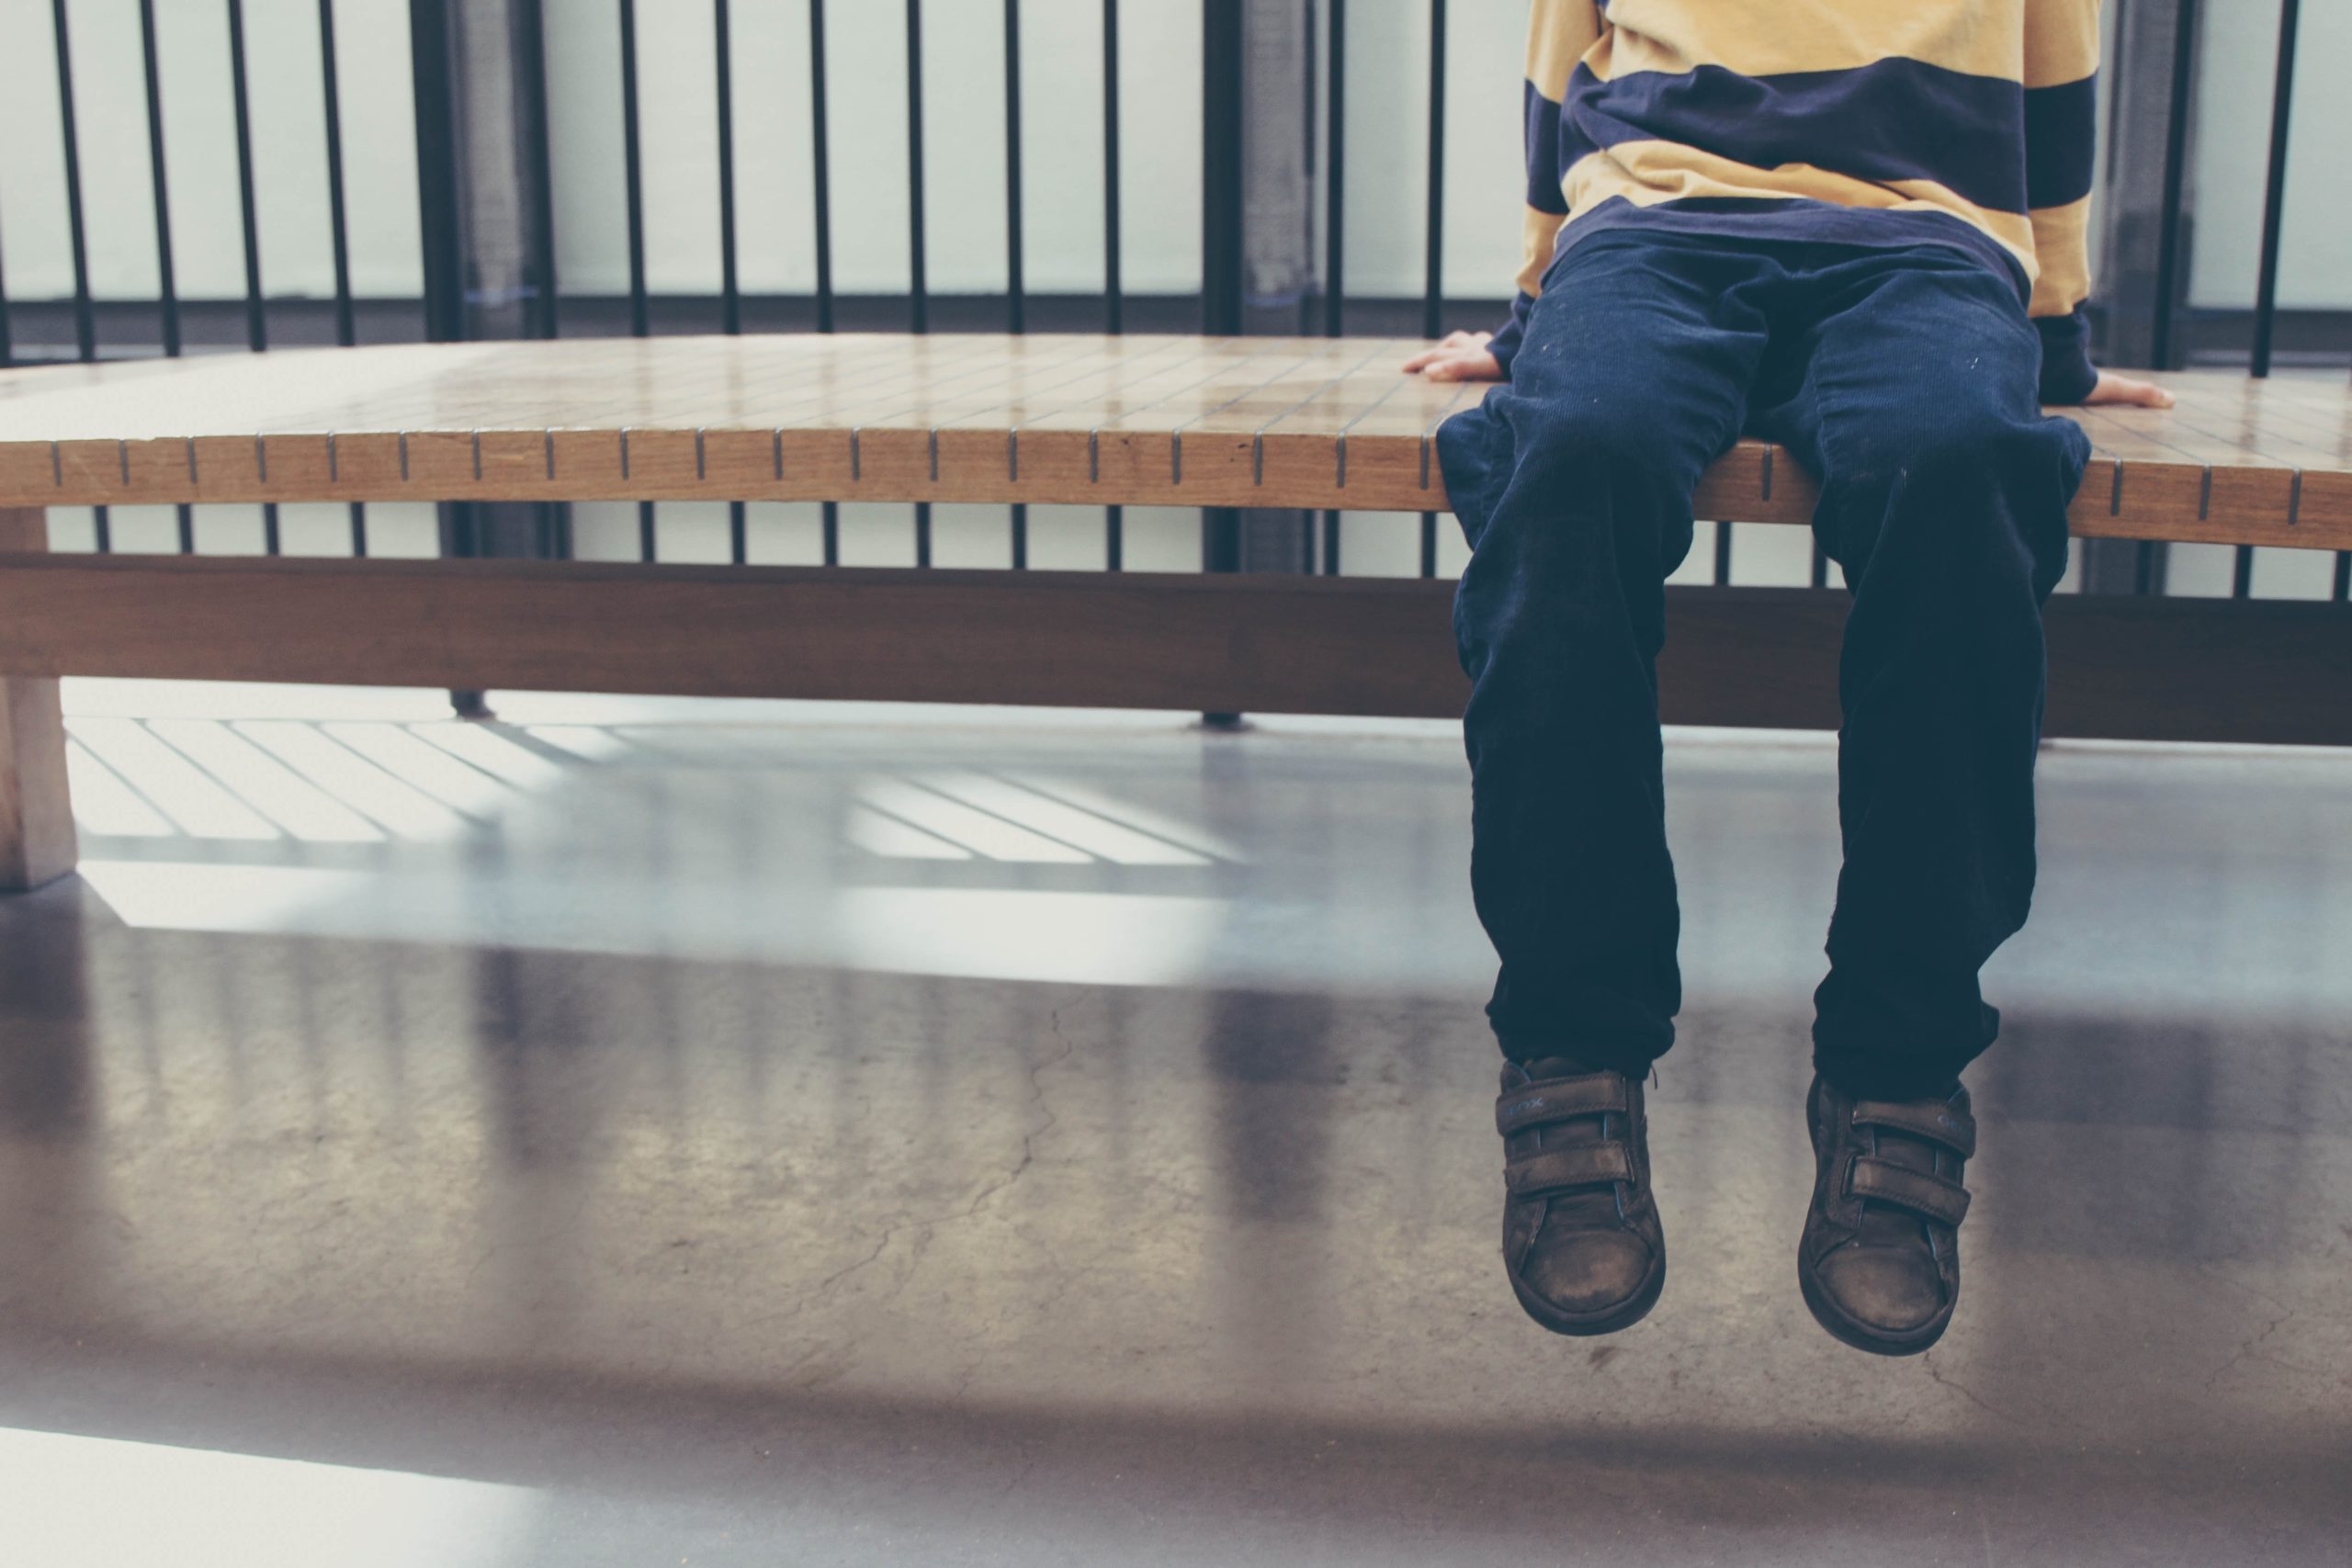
(2067, 376)
(1504, 345)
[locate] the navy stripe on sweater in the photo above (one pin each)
(1545, 170)
(1892, 119)
(2061, 142)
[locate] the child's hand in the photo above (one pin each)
(1463, 357)
(2114, 389)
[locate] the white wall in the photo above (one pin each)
(2239, 63)
(290, 178)
(962, 44)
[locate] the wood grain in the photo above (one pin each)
(1046, 418)
(2149, 669)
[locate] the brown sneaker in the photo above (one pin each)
(1879, 1262)
(1581, 1239)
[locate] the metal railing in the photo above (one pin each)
(441, 310)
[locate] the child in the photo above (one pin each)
(1856, 228)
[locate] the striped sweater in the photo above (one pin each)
(1875, 122)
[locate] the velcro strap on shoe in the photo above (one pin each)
(1931, 1197)
(1562, 1099)
(1567, 1168)
(1932, 1121)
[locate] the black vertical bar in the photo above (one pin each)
(1820, 565)
(167, 296)
(1433, 266)
(1016, 302)
(1723, 555)
(2274, 200)
(2273, 197)
(918, 290)
(821, 154)
(1221, 167)
(7, 344)
(1114, 294)
(248, 213)
(528, 67)
(167, 292)
(1015, 292)
(1115, 518)
(1335, 167)
(1222, 53)
(2168, 243)
(86, 325)
(633, 176)
(338, 225)
(531, 78)
(730, 296)
(1433, 284)
(441, 239)
(2343, 576)
(440, 243)
(824, 185)
(918, 287)
(257, 324)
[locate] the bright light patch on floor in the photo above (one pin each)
(894, 840)
(1100, 938)
(262, 781)
(74, 1502)
(590, 742)
(1099, 835)
(491, 752)
(189, 797)
(173, 896)
(983, 833)
(104, 805)
(1189, 835)
(428, 769)
(402, 810)
(97, 696)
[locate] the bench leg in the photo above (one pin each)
(36, 815)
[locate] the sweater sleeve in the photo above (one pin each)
(2062, 52)
(1558, 33)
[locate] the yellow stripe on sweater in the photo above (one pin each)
(1980, 37)
(2061, 246)
(1558, 33)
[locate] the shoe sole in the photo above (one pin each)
(1584, 1326)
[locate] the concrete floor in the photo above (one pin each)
(668, 1132)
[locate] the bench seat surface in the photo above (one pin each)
(1043, 418)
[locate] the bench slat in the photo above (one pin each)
(1046, 418)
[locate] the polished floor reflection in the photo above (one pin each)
(645, 1130)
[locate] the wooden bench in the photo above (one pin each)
(1164, 421)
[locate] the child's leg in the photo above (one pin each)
(1574, 488)
(1944, 498)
